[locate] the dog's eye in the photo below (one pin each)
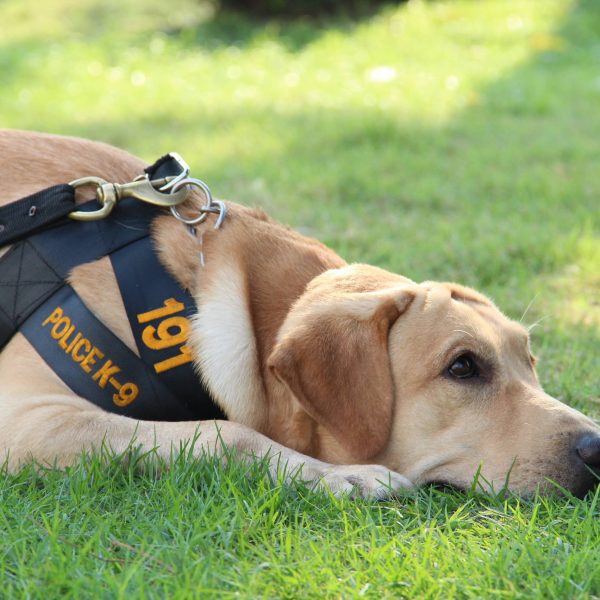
(463, 367)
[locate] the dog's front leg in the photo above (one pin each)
(57, 430)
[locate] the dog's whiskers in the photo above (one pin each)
(194, 233)
(528, 307)
(201, 253)
(531, 327)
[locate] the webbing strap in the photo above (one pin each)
(26, 281)
(159, 312)
(95, 363)
(33, 276)
(72, 243)
(33, 269)
(34, 212)
(89, 358)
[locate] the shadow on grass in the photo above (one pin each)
(229, 28)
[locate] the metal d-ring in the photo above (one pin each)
(211, 206)
(185, 171)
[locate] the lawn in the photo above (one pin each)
(451, 140)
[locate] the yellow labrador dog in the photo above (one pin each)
(361, 379)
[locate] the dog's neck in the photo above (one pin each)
(251, 272)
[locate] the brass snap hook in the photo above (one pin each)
(108, 194)
(105, 194)
(145, 190)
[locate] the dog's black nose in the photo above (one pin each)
(588, 448)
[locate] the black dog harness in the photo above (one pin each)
(36, 300)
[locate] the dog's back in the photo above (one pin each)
(31, 161)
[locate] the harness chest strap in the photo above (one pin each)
(93, 362)
(89, 358)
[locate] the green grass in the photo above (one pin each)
(201, 530)
(452, 140)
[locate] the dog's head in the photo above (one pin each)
(431, 380)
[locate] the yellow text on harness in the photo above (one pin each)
(169, 332)
(89, 357)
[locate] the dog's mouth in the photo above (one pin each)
(443, 485)
(579, 488)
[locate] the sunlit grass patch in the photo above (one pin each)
(422, 62)
(576, 285)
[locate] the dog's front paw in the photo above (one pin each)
(364, 481)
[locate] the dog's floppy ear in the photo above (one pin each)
(333, 356)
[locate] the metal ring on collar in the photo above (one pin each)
(211, 206)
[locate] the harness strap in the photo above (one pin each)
(169, 165)
(34, 212)
(72, 243)
(26, 281)
(95, 363)
(160, 322)
(36, 299)
(35, 268)
(80, 349)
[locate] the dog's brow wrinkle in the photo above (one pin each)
(463, 331)
(428, 300)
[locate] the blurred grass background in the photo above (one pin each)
(443, 140)
(451, 139)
